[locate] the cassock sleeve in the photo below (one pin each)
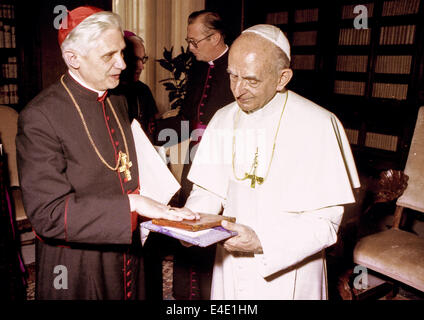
(53, 208)
(288, 238)
(204, 201)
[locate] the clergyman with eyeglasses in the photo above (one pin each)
(141, 103)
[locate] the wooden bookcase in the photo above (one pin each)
(303, 29)
(371, 78)
(9, 83)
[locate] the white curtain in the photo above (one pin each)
(162, 24)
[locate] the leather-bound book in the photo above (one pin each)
(206, 221)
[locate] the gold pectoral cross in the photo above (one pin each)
(253, 179)
(252, 176)
(125, 165)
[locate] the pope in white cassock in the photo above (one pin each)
(282, 166)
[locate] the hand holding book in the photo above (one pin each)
(246, 240)
(202, 232)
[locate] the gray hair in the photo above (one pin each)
(281, 60)
(84, 36)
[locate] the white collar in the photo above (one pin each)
(82, 82)
(226, 49)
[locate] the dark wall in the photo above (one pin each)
(231, 13)
(40, 57)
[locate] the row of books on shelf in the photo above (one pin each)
(397, 34)
(383, 64)
(353, 88)
(300, 16)
(397, 91)
(7, 11)
(350, 63)
(381, 141)
(390, 8)
(304, 38)
(277, 18)
(400, 7)
(393, 64)
(306, 15)
(389, 35)
(9, 94)
(352, 135)
(303, 62)
(9, 70)
(352, 36)
(7, 36)
(373, 140)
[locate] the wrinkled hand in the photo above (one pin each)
(152, 209)
(246, 241)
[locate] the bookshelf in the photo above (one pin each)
(375, 77)
(370, 75)
(8, 56)
(302, 27)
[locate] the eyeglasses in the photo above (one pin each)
(144, 59)
(195, 43)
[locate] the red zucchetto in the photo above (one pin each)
(75, 17)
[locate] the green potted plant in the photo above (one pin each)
(176, 85)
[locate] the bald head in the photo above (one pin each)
(258, 70)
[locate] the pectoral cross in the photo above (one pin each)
(252, 176)
(125, 165)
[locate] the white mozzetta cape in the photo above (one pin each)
(296, 212)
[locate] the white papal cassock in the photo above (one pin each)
(296, 212)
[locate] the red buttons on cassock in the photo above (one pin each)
(116, 143)
(107, 118)
(128, 284)
(129, 294)
(128, 262)
(112, 130)
(128, 273)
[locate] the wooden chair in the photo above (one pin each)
(396, 253)
(8, 131)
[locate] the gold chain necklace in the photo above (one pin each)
(123, 163)
(252, 173)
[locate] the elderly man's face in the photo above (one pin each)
(102, 65)
(139, 54)
(252, 83)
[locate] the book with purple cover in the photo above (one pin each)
(201, 238)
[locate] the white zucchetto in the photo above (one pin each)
(273, 34)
